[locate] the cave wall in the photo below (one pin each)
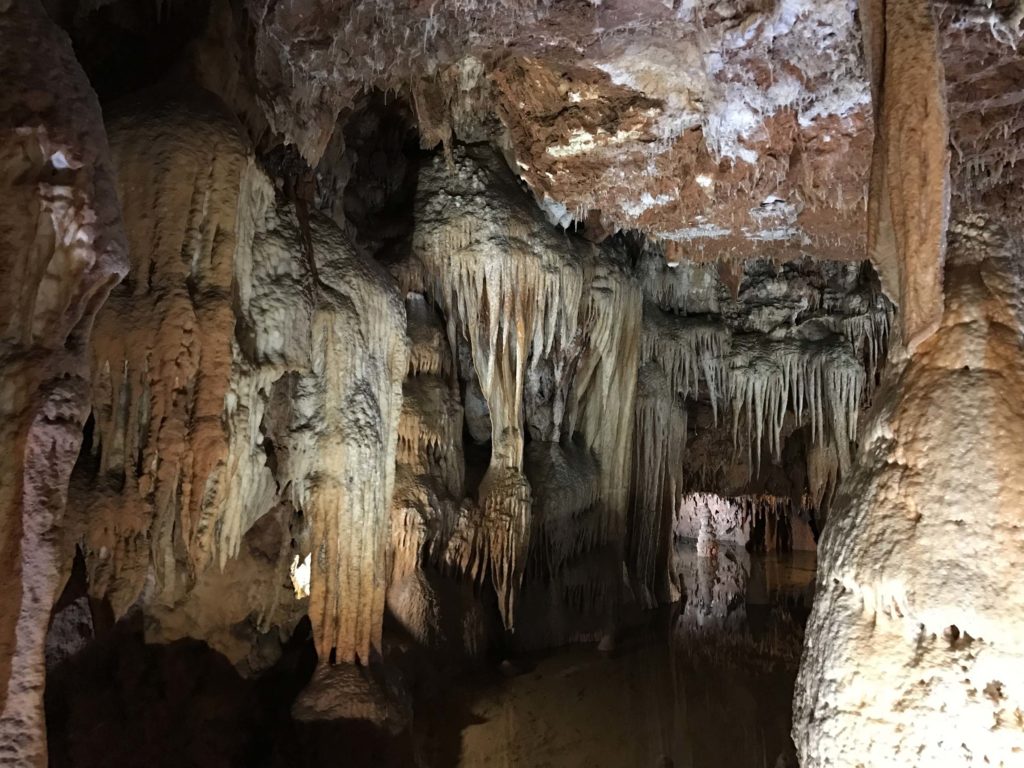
(64, 249)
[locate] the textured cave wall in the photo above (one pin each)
(63, 249)
(244, 373)
(913, 651)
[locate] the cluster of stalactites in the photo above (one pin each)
(166, 372)
(224, 349)
(818, 383)
(529, 302)
(689, 350)
(869, 334)
(431, 522)
(761, 380)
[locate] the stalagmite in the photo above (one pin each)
(914, 647)
(63, 250)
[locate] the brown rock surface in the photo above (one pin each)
(731, 129)
(63, 249)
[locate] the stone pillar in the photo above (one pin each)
(914, 653)
(61, 251)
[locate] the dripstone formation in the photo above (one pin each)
(364, 343)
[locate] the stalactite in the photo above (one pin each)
(431, 523)
(660, 439)
(225, 380)
(343, 437)
(604, 387)
(767, 379)
(869, 334)
(530, 302)
(689, 350)
(164, 366)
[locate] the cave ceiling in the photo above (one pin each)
(720, 129)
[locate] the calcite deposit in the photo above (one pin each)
(350, 348)
(913, 652)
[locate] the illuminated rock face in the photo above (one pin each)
(242, 371)
(915, 648)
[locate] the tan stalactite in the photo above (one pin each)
(63, 250)
(360, 356)
(217, 356)
(910, 185)
(660, 438)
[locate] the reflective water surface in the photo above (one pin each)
(705, 686)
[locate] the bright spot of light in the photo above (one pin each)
(300, 575)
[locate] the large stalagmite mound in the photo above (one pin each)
(914, 648)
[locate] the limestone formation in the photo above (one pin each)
(356, 349)
(232, 375)
(63, 250)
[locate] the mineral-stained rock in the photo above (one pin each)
(62, 250)
(442, 315)
(235, 371)
(723, 128)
